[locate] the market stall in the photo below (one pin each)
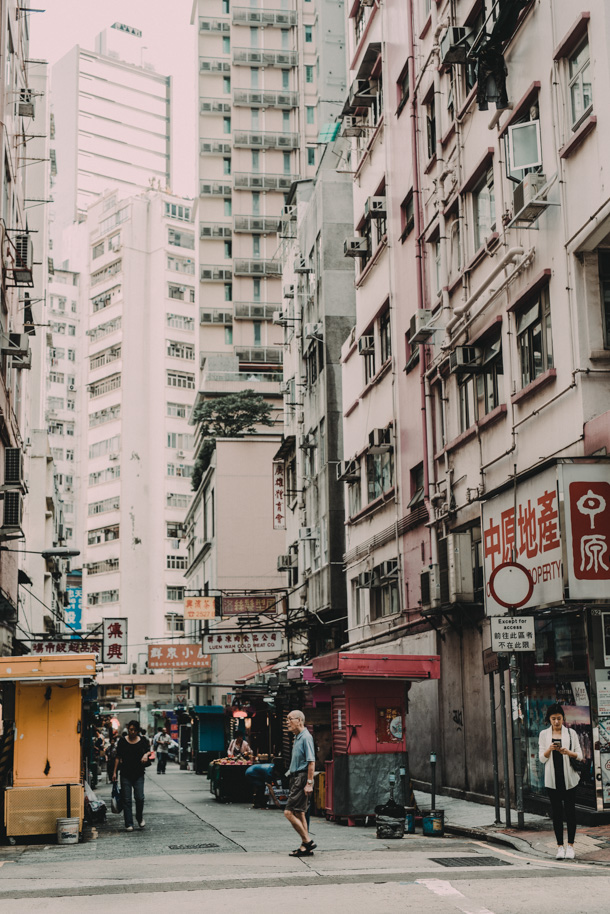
(42, 708)
(227, 778)
(207, 735)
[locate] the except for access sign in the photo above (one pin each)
(512, 633)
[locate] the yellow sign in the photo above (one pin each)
(200, 607)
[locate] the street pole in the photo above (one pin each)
(505, 748)
(494, 745)
(516, 732)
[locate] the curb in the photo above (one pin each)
(519, 844)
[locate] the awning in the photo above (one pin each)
(34, 668)
(348, 665)
(286, 448)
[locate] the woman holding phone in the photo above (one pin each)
(557, 746)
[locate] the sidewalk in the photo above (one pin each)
(476, 820)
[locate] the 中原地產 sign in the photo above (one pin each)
(586, 493)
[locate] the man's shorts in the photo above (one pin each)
(298, 800)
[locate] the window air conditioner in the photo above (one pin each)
(113, 456)
(365, 580)
(454, 46)
(301, 266)
(286, 562)
(308, 533)
(461, 572)
(288, 291)
(306, 442)
(353, 126)
(375, 208)
(348, 471)
(366, 344)
(285, 387)
(13, 468)
(280, 319)
(526, 207)
(25, 105)
(12, 512)
(356, 247)
(419, 330)
(312, 331)
(380, 440)
(388, 570)
(464, 359)
(180, 454)
(360, 95)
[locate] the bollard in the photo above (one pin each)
(433, 780)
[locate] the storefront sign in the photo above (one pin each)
(114, 641)
(128, 692)
(525, 529)
(238, 606)
(200, 607)
(129, 29)
(279, 495)
(177, 656)
(66, 647)
(586, 489)
(242, 642)
(512, 633)
(73, 615)
(606, 633)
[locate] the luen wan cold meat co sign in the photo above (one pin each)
(556, 526)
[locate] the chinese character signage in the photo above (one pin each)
(586, 489)
(66, 647)
(512, 633)
(74, 612)
(115, 641)
(279, 495)
(529, 535)
(177, 656)
(200, 607)
(242, 642)
(238, 606)
(389, 725)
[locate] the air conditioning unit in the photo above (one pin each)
(180, 454)
(288, 291)
(454, 46)
(113, 456)
(308, 533)
(525, 207)
(464, 359)
(375, 208)
(353, 126)
(348, 471)
(13, 468)
(306, 442)
(15, 344)
(367, 2)
(25, 105)
(20, 362)
(356, 247)
(286, 562)
(366, 344)
(71, 386)
(380, 440)
(313, 331)
(360, 95)
(419, 329)
(280, 319)
(388, 570)
(301, 266)
(12, 510)
(285, 388)
(24, 258)
(461, 572)
(365, 580)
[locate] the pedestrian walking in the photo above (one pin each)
(300, 772)
(161, 744)
(132, 758)
(558, 746)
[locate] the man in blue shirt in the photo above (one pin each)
(301, 772)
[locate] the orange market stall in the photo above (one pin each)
(42, 728)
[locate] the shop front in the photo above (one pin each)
(555, 525)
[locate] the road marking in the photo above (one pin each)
(446, 890)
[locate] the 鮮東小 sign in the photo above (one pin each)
(114, 641)
(512, 633)
(177, 656)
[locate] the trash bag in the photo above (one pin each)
(95, 809)
(116, 803)
(390, 819)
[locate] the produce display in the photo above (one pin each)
(227, 777)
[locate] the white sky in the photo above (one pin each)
(170, 43)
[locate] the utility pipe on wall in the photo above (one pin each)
(509, 257)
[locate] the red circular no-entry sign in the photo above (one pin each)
(511, 584)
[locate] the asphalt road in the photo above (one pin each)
(198, 855)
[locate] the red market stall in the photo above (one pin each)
(368, 704)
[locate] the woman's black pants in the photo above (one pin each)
(563, 801)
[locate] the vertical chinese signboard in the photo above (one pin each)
(115, 641)
(586, 492)
(279, 495)
(524, 527)
(74, 612)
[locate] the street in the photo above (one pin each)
(199, 854)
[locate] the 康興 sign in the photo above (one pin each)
(114, 640)
(241, 642)
(512, 633)
(177, 656)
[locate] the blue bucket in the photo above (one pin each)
(410, 820)
(433, 823)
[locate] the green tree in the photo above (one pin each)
(231, 416)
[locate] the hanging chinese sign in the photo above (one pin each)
(73, 614)
(114, 641)
(177, 656)
(586, 489)
(66, 647)
(237, 606)
(241, 642)
(201, 607)
(279, 495)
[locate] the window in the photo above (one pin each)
(308, 73)
(179, 350)
(228, 208)
(256, 328)
(228, 336)
(226, 44)
(180, 440)
(431, 127)
(484, 209)
(254, 119)
(417, 486)
(354, 498)
(379, 474)
(226, 166)
(308, 34)
(254, 77)
(226, 84)
(228, 249)
(101, 507)
(176, 409)
(407, 215)
(97, 251)
(523, 146)
(103, 567)
(285, 79)
(228, 288)
(181, 239)
(103, 596)
(285, 36)
(174, 623)
(226, 125)
(225, 7)
(604, 283)
(256, 290)
(359, 22)
(256, 246)
(384, 600)
(180, 322)
(256, 203)
(256, 161)
(579, 72)
(287, 162)
(534, 339)
(180, 379)
(403, 88)
(176, 562)
(253, 37)
(174, 530)
(311, 155)
(177, 500)
(385, 337)
(310, 112)
(174, 594)
(102, 535)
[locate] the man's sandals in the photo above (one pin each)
(305, 850)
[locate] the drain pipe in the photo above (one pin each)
(460, 310)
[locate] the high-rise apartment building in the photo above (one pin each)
(112, 125)
(139, 385)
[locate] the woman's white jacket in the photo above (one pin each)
(545, 739)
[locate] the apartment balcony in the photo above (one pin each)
(257, 268)
(252, 98)
(214, 26)
(253, 311)
(269, 355)
(212, 273)
(215, 230)
(214, 148)
(212, 383)
(214, 189)
(251, 139)
(216, 316)
(214, 65)
(280, 19)
(252, 181)
(214, 106)
(253, 57)
(256, 225)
